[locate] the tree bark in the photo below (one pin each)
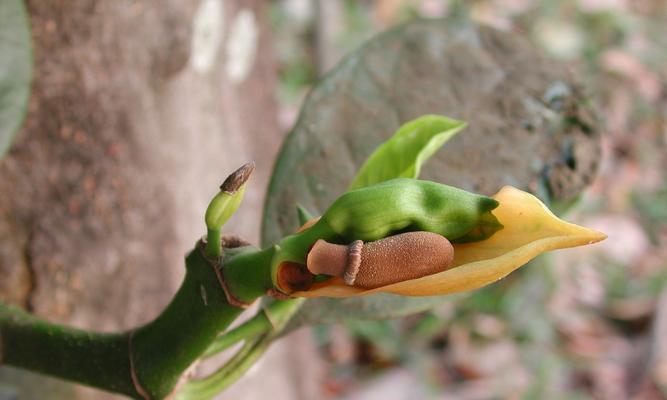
(138, 111)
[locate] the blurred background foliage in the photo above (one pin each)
(575, 324)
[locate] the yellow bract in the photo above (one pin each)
(530, 229)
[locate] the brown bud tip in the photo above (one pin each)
(238, 178)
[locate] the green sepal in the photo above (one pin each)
(402, 205)
(303, 214)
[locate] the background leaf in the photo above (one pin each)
(382, 306)
(402, 156)
(494, 80)
(15, 69)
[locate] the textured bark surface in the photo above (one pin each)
(129, 134)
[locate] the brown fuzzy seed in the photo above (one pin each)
(393, 259)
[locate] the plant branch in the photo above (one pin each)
(95, 359)
(149, 361)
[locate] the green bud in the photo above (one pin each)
(224, 205)
(401, 205)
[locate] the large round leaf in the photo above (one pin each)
(384, 306)
(15, 69)
(527, 128)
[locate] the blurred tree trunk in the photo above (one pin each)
(138, 111)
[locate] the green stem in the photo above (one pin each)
(213, 384)
(94, 359)
(271, 319)
(213, 246)
(149, 361)
(257, 325)
(167, 346)
(248, 273)
(258, 334)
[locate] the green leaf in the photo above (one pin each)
(437, 67)
(402, 156)
(15, 69)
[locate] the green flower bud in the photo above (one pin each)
(389, 208)
(224, 205)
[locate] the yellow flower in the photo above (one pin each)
(530, 229)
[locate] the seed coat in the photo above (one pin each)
(393, 259)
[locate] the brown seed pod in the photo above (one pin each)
(393, 259)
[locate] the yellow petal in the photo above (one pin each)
(530, 229)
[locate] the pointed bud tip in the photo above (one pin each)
(597, 236)
(238, 178)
